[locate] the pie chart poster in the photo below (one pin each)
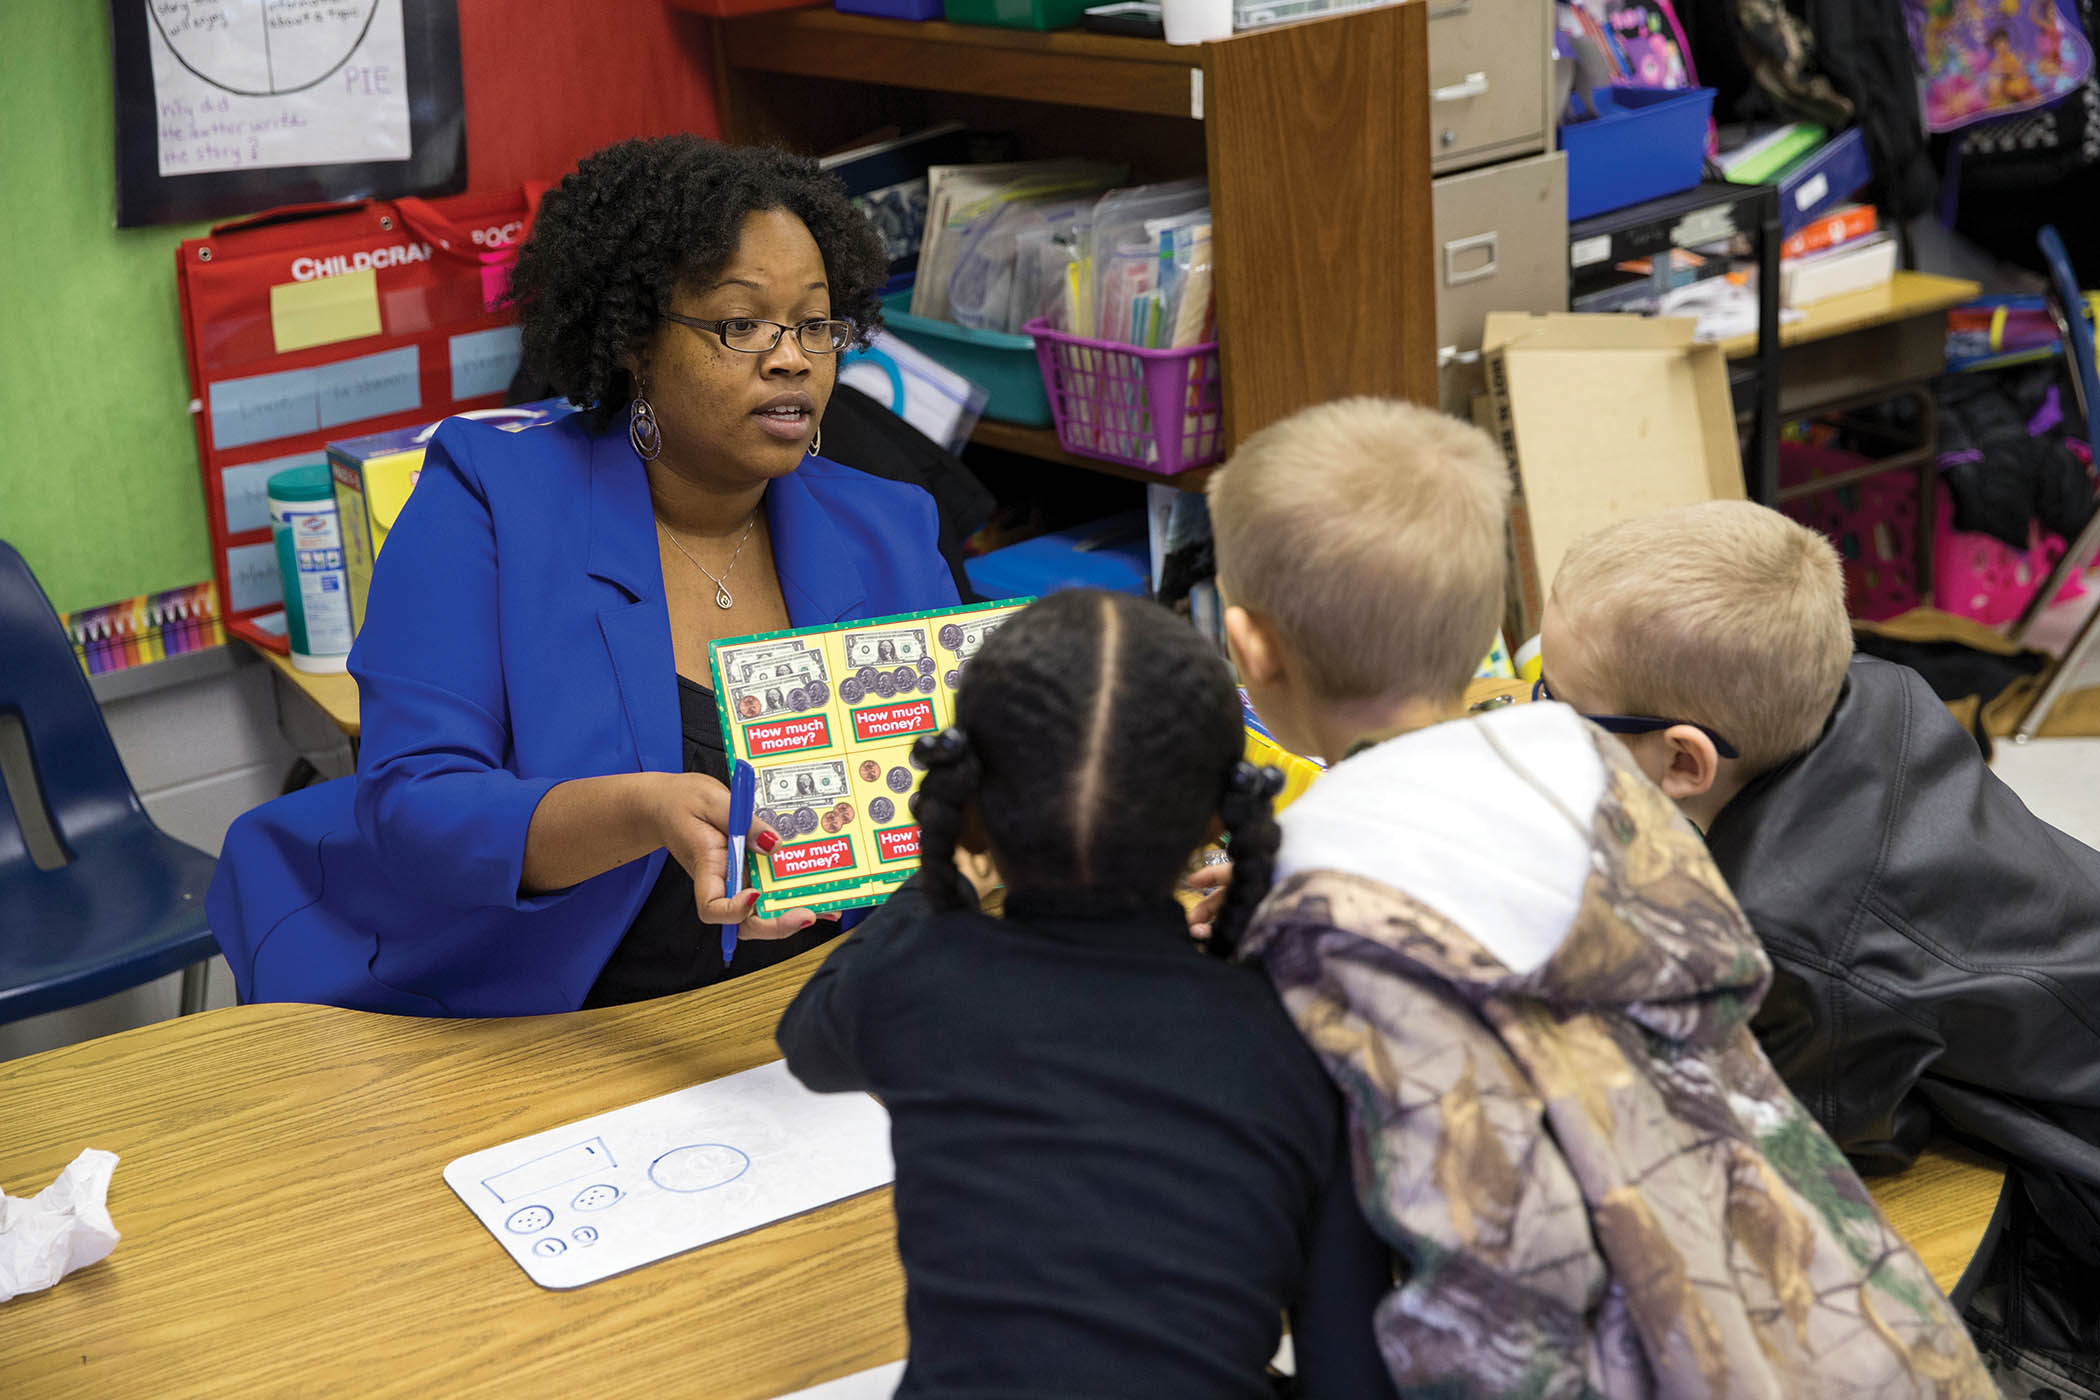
(231, 106)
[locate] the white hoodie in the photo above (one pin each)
(1442, 815)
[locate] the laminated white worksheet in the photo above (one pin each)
(879, 1383)
(611, 1193)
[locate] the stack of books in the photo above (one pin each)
(1843, 251)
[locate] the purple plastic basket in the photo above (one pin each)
(1102, 397)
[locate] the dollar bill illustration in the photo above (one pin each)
(966, 638)
(794, 785)
(885, 647)
(798, 666)
(766, 699)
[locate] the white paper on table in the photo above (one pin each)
(875, 1383)
(614, 1192)
(64, 1227)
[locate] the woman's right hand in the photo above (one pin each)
(691, 816)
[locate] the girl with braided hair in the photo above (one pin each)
(1118, 1164)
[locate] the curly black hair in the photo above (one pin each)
(616, 238)
(1100, 736)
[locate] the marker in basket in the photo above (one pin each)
(743, 796)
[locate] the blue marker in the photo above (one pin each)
(743, 796)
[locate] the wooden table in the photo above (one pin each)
(334, 692)
(287, 1229)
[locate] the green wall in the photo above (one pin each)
(99, 485)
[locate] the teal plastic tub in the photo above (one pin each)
(1017, 14)
(1004, 366)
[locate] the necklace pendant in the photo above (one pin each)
(722, 598)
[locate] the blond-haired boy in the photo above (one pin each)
(1937, 945)
(1528, 979)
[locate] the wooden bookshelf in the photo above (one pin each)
(1314, 136)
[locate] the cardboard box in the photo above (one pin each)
(1604, 418)
(374, 475)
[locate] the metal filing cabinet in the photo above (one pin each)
(1490, 84)
(1501, 245)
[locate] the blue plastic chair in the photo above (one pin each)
(127, 904)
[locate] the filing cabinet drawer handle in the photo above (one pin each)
(1475, 85)
(1459, 247)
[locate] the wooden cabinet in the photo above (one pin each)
(1315, 138)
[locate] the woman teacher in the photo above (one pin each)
(536, 821)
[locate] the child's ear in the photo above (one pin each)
(1254, 646)
(1692, 762)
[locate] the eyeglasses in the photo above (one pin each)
(1639, 724)
(754, 337)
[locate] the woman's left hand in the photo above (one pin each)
(690, 813)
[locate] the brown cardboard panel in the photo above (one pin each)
(1604, 418)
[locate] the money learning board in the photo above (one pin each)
(826, 716)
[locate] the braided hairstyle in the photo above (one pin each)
(1099, 737)
(617, 237)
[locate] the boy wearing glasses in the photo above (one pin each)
(1520, 966)
(1936, 945)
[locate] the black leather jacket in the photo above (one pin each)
(1936, 966)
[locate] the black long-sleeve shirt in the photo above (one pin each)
(1118, 1163)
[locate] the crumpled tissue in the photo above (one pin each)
(65, 1227)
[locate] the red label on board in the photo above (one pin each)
(787, 736)
(894, 721)
(812, 858)
(901, 844)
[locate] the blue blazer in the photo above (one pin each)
(516, 637)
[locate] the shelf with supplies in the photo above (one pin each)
(1307, 133)
(1041, 443)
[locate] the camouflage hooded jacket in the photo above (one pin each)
(1592, 1179)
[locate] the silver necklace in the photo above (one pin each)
(723, 599)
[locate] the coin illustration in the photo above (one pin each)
(881, 809)
(850, 690)
(926, 685)
(870, 771)
(900, 780)
(885, 684)
(925, 665)
(951, 636)
(954, 679)
(866, 676)
(806, 820)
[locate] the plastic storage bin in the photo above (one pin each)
(1976, 576)
(1873, 524)
(1826, 179)
(1643, 144)
(1103, 396)
(891, 9)
(1018, 14)
(1003, 365)
(1112, 554)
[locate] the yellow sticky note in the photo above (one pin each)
(325, 310)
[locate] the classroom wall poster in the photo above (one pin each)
(229, 106)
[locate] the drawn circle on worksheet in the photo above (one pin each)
(529, 1220)
(700, 1166)
(241, 55)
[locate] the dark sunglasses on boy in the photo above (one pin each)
(1639, 724)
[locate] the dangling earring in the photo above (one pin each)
(816, 440)
(642, 431)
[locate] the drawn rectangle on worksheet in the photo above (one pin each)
(611, 1193)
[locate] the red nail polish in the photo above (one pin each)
(765, 841)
